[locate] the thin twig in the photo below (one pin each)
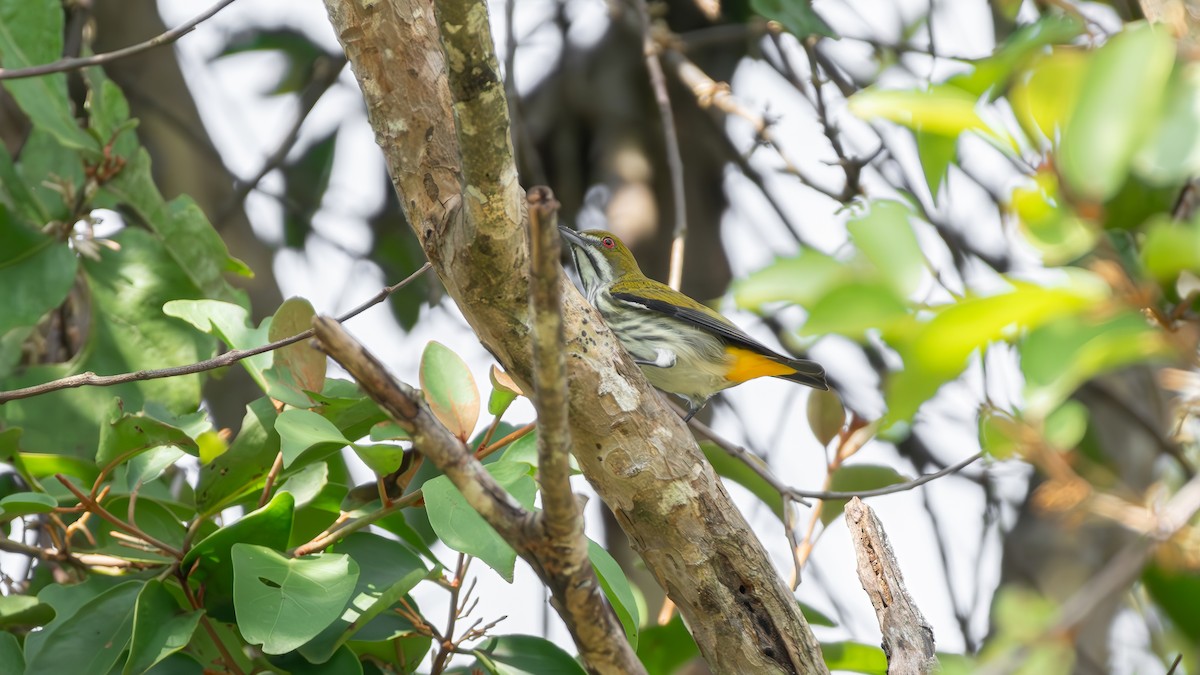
(226, 656)
(90, 379)
(63, 65)
(276, 467)
(136, 531)
(331, 537)
(658, 81)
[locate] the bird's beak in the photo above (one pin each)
(571, 236)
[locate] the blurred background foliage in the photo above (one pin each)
(980, 216)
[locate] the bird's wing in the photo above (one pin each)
(701, 317)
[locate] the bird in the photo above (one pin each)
(682, 346)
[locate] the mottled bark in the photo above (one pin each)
(639, 457)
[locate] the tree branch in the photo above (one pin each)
(63, 65)
(907, 636)
(640, 460)
(560, 563)
(563, 550)
(90, 379)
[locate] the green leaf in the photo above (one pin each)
(91, 639)
(298, 367)
(885, 236)
(187, 236)
(938, 351)
(306, 179)
(126, 435)
(244, 465)
(857, 478)
(796, 16)
(936, 153)
(857, 309)
(389, 431)
(1061, 355)
(1065, 427)
(617, 589)
(387, 571)
(1121, 95)
(31, 34)
(269, 526)
(728, 466)
(993, 73)
(941, 110)
(300, 430)
(1171, 248)
(1171, 154)
(284, 602)
(450, 389)
(802, 280)
(11, 658)
(998, 433)
(854, 657)
(663, 649)
(382, 458)
(525, 655)
(1177, 592)
(160, 628)
(18, 611)
(504, 391)
(1045, 97)
(26, 503)
(523, 450)
(815, 616)
(231, 324)
(41, 267)
(127, 332)
(464, 530)
(1049, 222)
(152, 517)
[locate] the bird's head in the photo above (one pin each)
(601, 258)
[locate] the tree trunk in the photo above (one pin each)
(460, 193)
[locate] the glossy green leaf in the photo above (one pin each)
(389, 431)
(92, 638)
(126, 435)
(464, 530)
(728, 466)
(284, 602)
(30, 35)
(856, 310)
(802, 280)
(936, 153)
(269, 526)
(387, 571)
(1121, 94)
(66, 600)
(815, 617)
(187, 237)
(1061, 355)
(885, 236)
(307, 483)
(11, 658)
(941, 110)
(664, 649)
(854, 657)
(1171, 154)
(231, 324)
(797, 17)
(1045, 96)
(382, 458)
(450, 389)
(525, 655)
(44, 270)
(1171, 248)
(128, 332)
(26, 503)
(160, 628)
(617, 589)
(17, 611)
(504, 391)
(1177, 592)
(857, 478)
(992, 73)
(300, 430)
(523, 450)
(243, 467)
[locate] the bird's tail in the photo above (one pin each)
(808, 373)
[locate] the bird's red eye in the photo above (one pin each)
(608, 242)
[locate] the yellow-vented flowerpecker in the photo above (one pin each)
(683, 347)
